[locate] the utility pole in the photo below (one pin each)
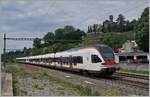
(4, 51)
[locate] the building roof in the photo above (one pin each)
(133, 53)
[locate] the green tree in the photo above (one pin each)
(48, 38)
(142, 31)
(69, 33)
(68, 29)
(37, 43)
(104, 29)
(36, 51)
(59, 34)
(132, 24)
(26, 51)
(120, 23)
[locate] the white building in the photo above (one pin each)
(129, 46)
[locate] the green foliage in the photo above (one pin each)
(142, 31)
(10, 57)
(61, 47)
(112, 92)
(37, 43)
(114, 39)
(83, 90)
(105, 30)
(50, 45)
(120, 23)
(48, 38)
(26, 52)
(68, 29)
(68, 33)
(36, 51)
(146, 72)
(59, 34)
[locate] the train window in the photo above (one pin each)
(56, 59)
(106, 52)
(95, 59)
(130, 57)
(141, 57)
(78, 59)
(65, 60)
(122, 58)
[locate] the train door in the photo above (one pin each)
(86, 60)
(61, 61)
(70, 62)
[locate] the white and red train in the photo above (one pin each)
(97, 59)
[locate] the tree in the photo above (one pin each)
(70, 33)
(36, 51)
(68, 29)
(142, 31)
(78, 34)
(37, 43)
(26, 51)
(59, 34)
(48, 38)
(132, 24)
(88, 29)
(104, 29)
(120, 23)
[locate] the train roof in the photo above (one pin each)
(64, 52)
(95, 45)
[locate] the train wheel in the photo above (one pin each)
(84, 72)
(109, 74)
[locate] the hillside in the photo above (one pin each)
(113, 39)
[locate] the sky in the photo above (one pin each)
(34, 18)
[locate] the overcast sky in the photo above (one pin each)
(34, 18)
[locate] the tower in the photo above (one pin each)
(111, 18)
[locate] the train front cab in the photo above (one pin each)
(108, 65)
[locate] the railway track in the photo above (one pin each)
(136, 80)
(133, 75)
(132, 80)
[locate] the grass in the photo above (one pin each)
(15, 73)
(15, 89)
(135, 71)
(112, 92)
(82, 90)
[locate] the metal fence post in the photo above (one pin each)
(4, 51)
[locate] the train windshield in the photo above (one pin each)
(106, 52)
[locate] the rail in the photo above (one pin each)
(137, 80)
